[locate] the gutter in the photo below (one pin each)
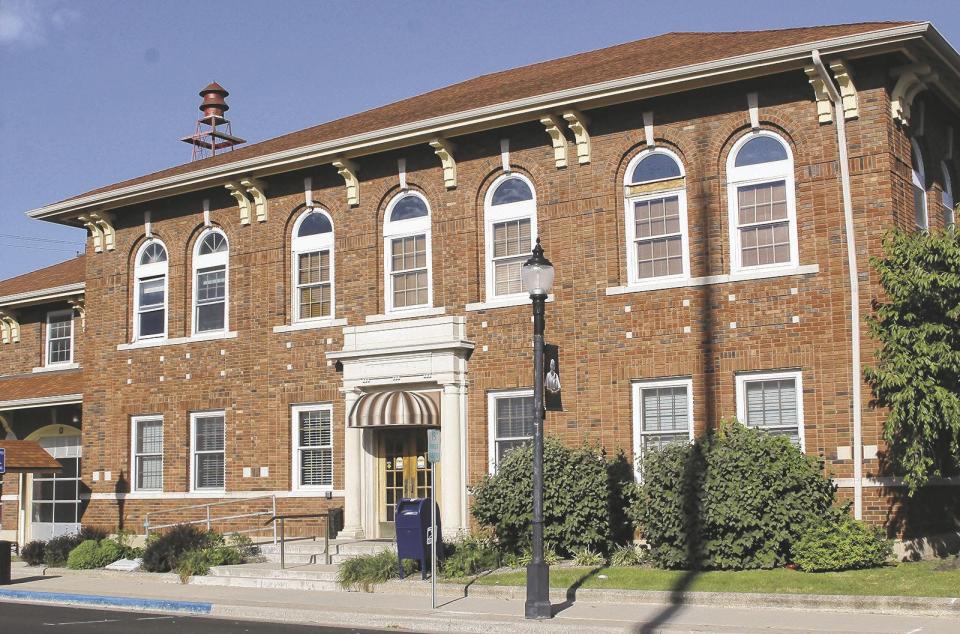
(487, 117)
(43, 294)
(852, 272)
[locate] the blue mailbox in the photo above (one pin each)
(413, 526)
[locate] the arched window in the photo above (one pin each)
(761, 200)
(210, 282)
(949, 202)
(918, 179)
(510, 213)
(656, 217)
(406, 243)
(150, 292)
(312, 247)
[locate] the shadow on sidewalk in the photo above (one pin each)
(17, 580)
(572, 592)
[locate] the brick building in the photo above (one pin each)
(288, 318)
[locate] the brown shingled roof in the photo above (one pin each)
(663, 52)
(19, 387)
(27, 456)
(70, 272)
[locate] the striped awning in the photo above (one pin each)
(396, 408)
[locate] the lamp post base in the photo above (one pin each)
(538, 592)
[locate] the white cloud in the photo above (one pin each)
(28, 23)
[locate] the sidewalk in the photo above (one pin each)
(392, 610)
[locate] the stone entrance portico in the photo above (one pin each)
(417, 355)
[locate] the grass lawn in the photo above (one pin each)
(922, 579)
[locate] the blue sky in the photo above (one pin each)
(98, 91)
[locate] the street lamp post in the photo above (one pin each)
(537, 276)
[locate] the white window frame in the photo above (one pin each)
(393, 230)
(193, 451)
(147, 273)
(948, 200)
(757, 175)
(211, 260)
(918, 178)
(46, 347)
(742, 378)
(296, 410)
(496, 214)
(311, 244)
(135, 464)
(637, 388)
(492, 438)
(630, 223)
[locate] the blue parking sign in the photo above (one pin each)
(3, 460)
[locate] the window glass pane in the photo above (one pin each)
(409, 207)
(152, 292)
(210, 471)
(659, 257)
(42, 489)
(65, 513)
(313, 224)
(209, 433)
(762, 149)
(150, 436)
(70, 466)
(773, 403)
(210, 317)
(153, 253)
(665, 409)
(211, 284)
(507, 279)
(315, 428)
(920, 207)
(503, 446)
(213, 243)
(65, 489)
(152, 322)
(655, 167)
(42, 512)
(315, 301)
(514, 417)
(512, 190)
(149, 472)
(762, 203)
(657, 217)
(511, 238)
(765, 244)
(316, 467)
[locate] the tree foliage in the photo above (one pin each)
(917, 374)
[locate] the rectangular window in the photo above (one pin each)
(313, 284)
(511, 422)
(763, 224)
(920, 207)
(211, 299)
(151, 307)
(662, 413)
(773, 402)
(313, 446)
(60, 337)
(409, 271)
(148, 453)
(511, 248)
(658, 238)
(208, 450)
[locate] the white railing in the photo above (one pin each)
(209, 518)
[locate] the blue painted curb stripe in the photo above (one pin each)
(192, 607)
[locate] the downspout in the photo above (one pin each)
(856, 375)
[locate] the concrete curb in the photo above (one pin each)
(104, 601)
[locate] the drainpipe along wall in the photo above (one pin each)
(856, 377)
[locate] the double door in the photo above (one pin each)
(404, 472)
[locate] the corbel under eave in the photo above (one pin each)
(911, 80)
(236, 190)
(577, 123)
(11, 327)
(444, 151)
(95, 233)
(824, 107)
(256, 189)
(348, 171)
(105, 223)
(848, 92)
(77, 303)
(557, 139)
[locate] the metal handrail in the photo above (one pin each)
(210, 518)
(301, 516)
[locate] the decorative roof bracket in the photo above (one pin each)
(9, 327)
(444, 151)
(105, 223)
(848, 92)
(911, 80)
(77, 303)
(557, 138)
(348, 170)
(95, 232)
(577, 123)
(824, 106)
(237, 192)
(256, 189)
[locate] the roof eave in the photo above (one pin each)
(43, 295)
(506, 113)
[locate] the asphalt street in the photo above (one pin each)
(23, 618)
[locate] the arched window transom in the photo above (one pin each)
(312, 246)
(150, 292)
(761, 199)
(211, 283)
(407, 253)
(510, 214)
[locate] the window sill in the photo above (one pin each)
(57, 367)
(740, 276)
(155, 343)
(310, 325)
(407, 314)
(503, 303)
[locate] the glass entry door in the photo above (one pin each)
(404, 472)
(56, 497)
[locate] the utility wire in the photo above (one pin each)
(36, 239)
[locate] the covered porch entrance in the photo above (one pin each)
(403, 472)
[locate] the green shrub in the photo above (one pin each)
(523, 559)
(58, 549)
(244, 545)
(469, 556)
(163, 553)
(629, 555)
(365, 571)
(839, 542)
(194, 562)
(90, 554)
(32, 552)
(108, 551)
(735, 499)
(224, 556)
(584, 498)
(587, 557)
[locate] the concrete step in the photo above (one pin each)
(269, 575)
(309, 552)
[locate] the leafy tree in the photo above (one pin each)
(917, 375)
